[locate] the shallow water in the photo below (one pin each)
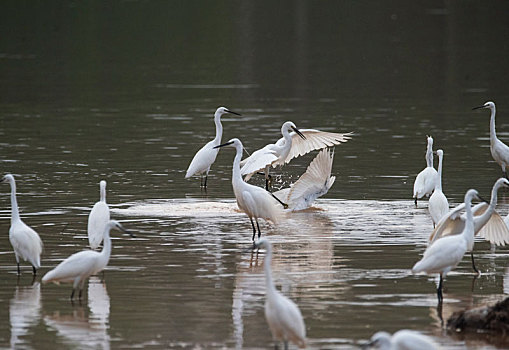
(125, 92)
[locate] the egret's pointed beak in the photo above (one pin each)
(478, 107)
(299, 133)
(482, 199)
(224, 144)
(232, 112)
(121, 228)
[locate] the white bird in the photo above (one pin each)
(283, 315)
(98, 218)
(79, 266)
(26, 242)
(425, 181)
(487, 222)
(499, 150)
(255, 201)
(294, 143)
(314, 183)
(438, 205)
(401, 340)
(444, 254)
(206, 156)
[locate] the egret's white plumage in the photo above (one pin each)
(402, 340)
(255, 201)
(98, 218)
(294, 143)
(283, 315)
(79, 266)
(314, 183)
(206, 156)
(438, 205)
(499, 150)
(444, 254)
(426, 180)
(26, 242)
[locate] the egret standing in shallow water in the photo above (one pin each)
(438, 205)
(444, 254)
(487, 222)
(401, 340)
(79, 266)
(252, 200)
(26, 242)
(98, 218)
(499, 150)
(206, 156)
(283, 315)
(426, 180)
(294, 143)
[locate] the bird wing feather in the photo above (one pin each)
(495, 230)
(26, 243)
(203, 159)
(315, 139)
(258, 160)
(450, 224)
(78, 264)
(97, 222)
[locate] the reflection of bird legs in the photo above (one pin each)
(439, 313)
(439, 290)
(415, 201)
(473, 282)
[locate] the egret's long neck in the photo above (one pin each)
(269, 284)
(439, 182)
(103, 194)
(236, 176)
(14, 203)
(429, 155)
(493, 135)
(469, 224)
(219, 129)
(106, 252)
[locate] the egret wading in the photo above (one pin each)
(445, 253)
(283, 315)
(487, 222)
(206, 156)
(401, 340)
(98, 218)
(294, 143)
(426, 180)
(499, 150)
(79, 266)
(252, 200)
(26, 242)
(438, 205)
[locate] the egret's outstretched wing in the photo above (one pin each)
(450, 224)
(315, 182)
(315, 139)
(495, 230)
(258, 161)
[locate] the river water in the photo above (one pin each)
(125, 91)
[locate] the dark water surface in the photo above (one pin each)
(125, 91)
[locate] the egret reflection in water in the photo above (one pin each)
(85, 328)
(24, 312)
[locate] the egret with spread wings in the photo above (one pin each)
(294, 143)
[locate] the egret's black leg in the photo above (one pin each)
(283, 204)
(72, 294)
(205, 184)
(473, 263)
(259, 232)
(286, 345)
(254, 229)
(415, 201)
(79, 295)
(439, 290)
(19, 271)
(35, 270)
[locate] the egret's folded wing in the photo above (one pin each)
(495, 230)
(450, 224)
(258, 161)
(315, 139)
(315, 182)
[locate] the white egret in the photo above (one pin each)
(499, 150)
(283, 315)
(444, 254)
(79, 266)
(425, 181)
(294, 143)
(26, 242)
(252, 200)
(206, 156)
(401, 340)
(438, 205)
(98, 218)
(314, 183)
(487, 222)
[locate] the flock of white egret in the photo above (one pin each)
(452, 237)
